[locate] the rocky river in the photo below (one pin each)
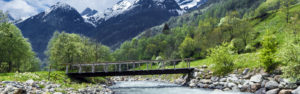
(201, 82)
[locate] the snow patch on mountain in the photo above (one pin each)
(58, 5)
(117, 9)
(96, 17)
(187, 4)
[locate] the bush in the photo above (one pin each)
(267, 53)
(290, 55)
(222, 59)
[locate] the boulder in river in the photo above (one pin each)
(296, 91)
(285, 91)
(271, 85)
(256, 78)
(273, 91)
(261, 91)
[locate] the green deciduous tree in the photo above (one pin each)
(64, 48)
(15, 50)
(187, 47)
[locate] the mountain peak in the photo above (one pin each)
(61, 5)
(88, 12)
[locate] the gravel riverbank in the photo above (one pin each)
(42, 87)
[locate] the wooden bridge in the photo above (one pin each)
(150, 67)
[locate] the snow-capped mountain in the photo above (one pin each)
(60, 17)
(122, 6)
(141, 15)
(96, 17)
(123, 21)
(190, 4)
(88, 12)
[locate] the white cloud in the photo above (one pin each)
(25, 8)
(18, 8)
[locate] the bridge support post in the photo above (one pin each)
(67, 69)
(163, 65)
(120, 65)
(189, 77)
(127, 67)
(151, 65)
(147, 66)
(189, 64)
(93, 69)
(79, 69)
(174, 64)
(105, 67)
(133, 66)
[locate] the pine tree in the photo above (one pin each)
(166, 29)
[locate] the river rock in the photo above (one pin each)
(223, 79)
(211, 86)
(296, 91)
(9, 88)
(226, 89)
(30, 82)
(256, 78)
(246, 71)
(261, 91)
(230, 85)
(235, 89)
(244, 88)
(290, 86)
(192, 84)
(214, 79)
(206, 81)
(285, 91)
(220, 87)
(273, 91)
(263, 83)
(277, 78)
(271, 85)
(232, 78)
(179, 81)
(247, 76)
(201, 85)
(255, 87)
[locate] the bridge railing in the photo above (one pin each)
(126, 66)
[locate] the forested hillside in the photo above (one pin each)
(226, 34)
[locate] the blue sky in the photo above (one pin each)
(26, 8)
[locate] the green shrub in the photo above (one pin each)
(290, 56)
(222, 59)
(267, 53)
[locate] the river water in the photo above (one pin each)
(154, 87)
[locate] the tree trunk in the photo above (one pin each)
(9, 66)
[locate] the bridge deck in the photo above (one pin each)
(128, 68)
(134, 72)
